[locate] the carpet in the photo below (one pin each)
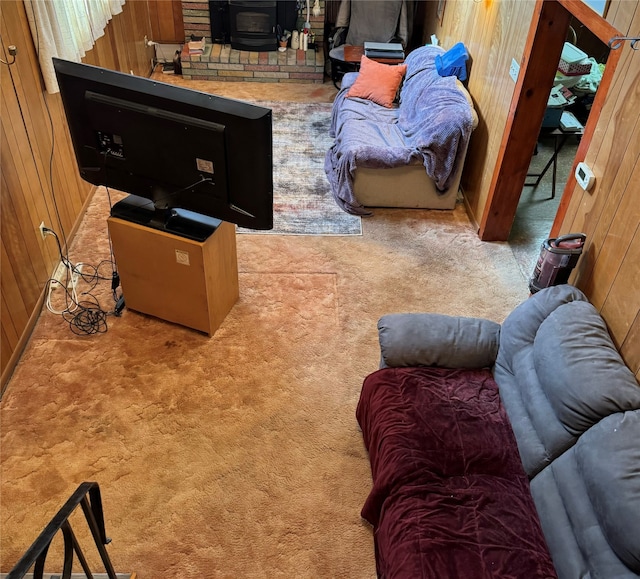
(237, 455)
(302, 200)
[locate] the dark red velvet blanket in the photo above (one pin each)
(450, 497)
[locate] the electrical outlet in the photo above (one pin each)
(42, 227)
(514, 70)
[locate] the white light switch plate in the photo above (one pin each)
(514, 70)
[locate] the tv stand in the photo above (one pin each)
(175, 278)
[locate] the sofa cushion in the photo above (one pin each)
(449, 496)
(581, 372)
(588, 500)
(471, 527)
(558, 373)
(378, 82)
(437, 340)
(521, 325)
(608, 456)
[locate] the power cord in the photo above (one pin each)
(85, 316)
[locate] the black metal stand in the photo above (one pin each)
(559, 139)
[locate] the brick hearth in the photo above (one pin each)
(221, 62)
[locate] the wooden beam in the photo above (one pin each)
(544, 44)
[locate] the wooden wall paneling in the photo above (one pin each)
(609, 214)
(178, 21)
(611, 238)
(575, 204)
(64, 191)
(139, 26)
(27, 259)
(623, 16)
(622, 304)
(124, 59)
(20, 261)
(22, 211)
(630, 348)
(453, 28)
(604, 95)
(71, 184)
(167, 23)
(102, 53)
(571, 207)
(15, 317)
(611, 11)
(9, 336)
(36, 186)
(37, 115)
(504, 42)
(523, 123)
(480, 47)
(106, 50)
(614, 157)
(122, 46)
(612, 146)
(23, 204)
(154, 21)
(494, 32)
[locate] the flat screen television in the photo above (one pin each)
(188, 159)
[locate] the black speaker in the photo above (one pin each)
(219, 14)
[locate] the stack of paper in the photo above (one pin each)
(569, 123)
(383, 50)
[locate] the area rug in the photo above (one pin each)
(302, 200)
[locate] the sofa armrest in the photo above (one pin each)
(348, 79)
(437, 340)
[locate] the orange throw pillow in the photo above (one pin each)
(378, 82)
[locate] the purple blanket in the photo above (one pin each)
(432, 126)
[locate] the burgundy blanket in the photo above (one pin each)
(450, 497)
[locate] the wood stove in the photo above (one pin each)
(252, 24)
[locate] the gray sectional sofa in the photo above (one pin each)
(458, 402)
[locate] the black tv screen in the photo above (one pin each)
(183, 155)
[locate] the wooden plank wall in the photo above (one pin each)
(494, 32)
(32, 121)
(167, 24)
(609, 270)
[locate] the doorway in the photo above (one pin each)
(549, 26)
(557, 145)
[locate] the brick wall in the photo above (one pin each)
(197, 20)
(221, 62)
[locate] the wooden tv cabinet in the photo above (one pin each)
(187, 282)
